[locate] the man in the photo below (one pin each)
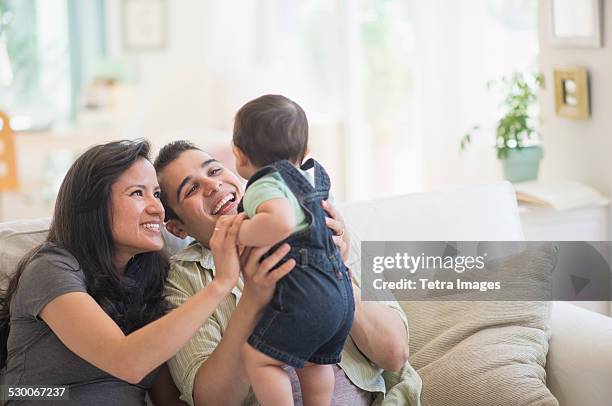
(197, 191)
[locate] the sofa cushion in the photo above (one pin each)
(485, 353)
(486, 212)
(16, 239)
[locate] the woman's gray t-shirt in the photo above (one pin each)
(35, 354)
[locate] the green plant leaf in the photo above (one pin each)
(514, 126)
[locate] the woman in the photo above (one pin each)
(86, 308)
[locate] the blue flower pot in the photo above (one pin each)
(522, 164)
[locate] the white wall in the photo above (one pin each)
(178, 85)
(578, 150)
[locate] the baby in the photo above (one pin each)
(310, 316)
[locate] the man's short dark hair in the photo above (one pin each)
(271, 128)
(167, 155)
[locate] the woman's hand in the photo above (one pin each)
(259, 281)
(223, 245)
(335, 223)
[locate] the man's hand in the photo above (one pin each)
(335, 223)
(223, 245)
(259, 281)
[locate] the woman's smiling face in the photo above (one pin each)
(137, 213)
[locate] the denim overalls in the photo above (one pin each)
(312, 310)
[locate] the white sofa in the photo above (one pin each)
(579, 364)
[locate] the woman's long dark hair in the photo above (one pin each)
(82, 225)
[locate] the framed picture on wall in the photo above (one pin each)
(576, 23)
(572, 93)
(144, 24)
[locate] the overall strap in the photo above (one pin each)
(322, 182)
(296, 181)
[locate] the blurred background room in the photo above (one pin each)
(402, 96)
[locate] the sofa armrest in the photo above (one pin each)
(580, 356)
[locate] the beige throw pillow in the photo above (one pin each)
(484, 353)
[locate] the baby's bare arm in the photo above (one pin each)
(273, 222)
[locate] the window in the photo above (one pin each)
(397, 81)
(42, 56)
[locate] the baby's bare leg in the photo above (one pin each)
(270, 382)
(317, 383)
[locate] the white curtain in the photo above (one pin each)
(462, 45)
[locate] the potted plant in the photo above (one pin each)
(515, 132)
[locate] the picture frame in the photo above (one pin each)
(572, 93)
(144, 24)
(576, 23)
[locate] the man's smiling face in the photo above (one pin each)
(199, 190)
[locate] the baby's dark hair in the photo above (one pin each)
(271, 128)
